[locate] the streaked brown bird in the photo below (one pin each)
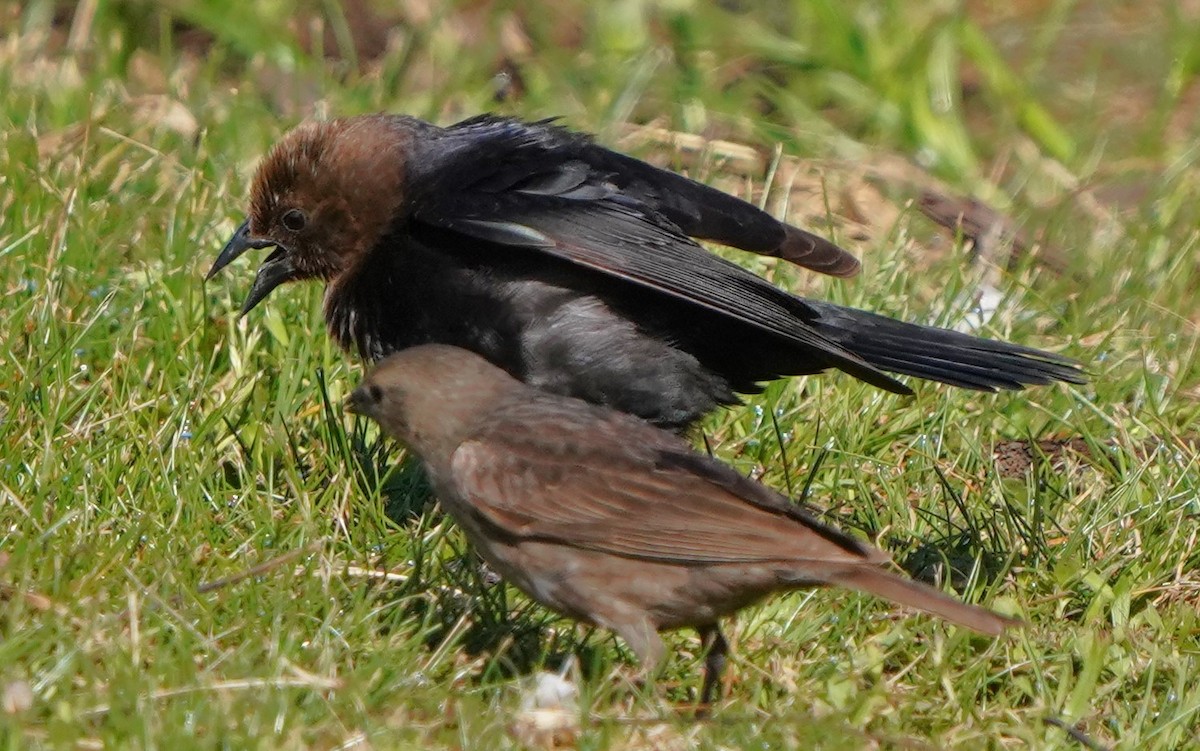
(609, 520)
(573, 268)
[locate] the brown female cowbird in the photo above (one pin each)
(573, 268)
(607, 519)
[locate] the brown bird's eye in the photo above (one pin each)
(375, 393)
(295, 219)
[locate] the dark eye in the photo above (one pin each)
(375, 393)
(295, 220)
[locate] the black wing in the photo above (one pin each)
(710, 214)
(530, 187)
(698, 210)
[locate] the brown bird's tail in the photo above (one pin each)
(883, 583)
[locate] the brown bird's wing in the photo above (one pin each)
(561, 471)
(524, 189)
(550, 469)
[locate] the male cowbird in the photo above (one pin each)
(573, 268)
(607, 519)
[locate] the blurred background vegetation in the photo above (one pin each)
(1060, 114)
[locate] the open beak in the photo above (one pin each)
(237, 245)
(273, 272)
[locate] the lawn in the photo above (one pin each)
(199, 549)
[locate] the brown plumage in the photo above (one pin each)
(606, 519)
(573, 268)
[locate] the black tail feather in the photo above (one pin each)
(941, 354)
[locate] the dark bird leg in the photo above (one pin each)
(714, 662)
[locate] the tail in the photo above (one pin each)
(883, 583)
(940, 354)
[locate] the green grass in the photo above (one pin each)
(152, 442)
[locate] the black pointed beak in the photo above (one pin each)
(237, 245)
(274, 271)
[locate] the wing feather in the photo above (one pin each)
(610, 483)
(521, 187)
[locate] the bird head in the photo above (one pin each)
(323, 197)
(433, 397)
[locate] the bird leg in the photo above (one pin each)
(642, 637)
(714, 661)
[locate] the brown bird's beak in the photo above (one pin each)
(274, 271)
(356, 403)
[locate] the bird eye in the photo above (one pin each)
(295, 219)
(375, 393)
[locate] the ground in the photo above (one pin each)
(198, 549)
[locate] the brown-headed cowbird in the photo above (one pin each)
(609, 520)
(573, 268)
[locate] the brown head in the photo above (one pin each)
(433, 397)
(325, 195)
